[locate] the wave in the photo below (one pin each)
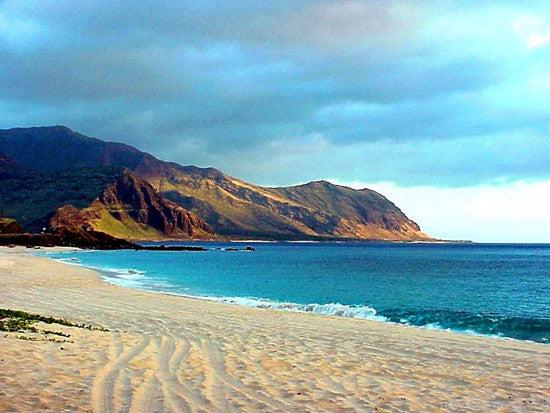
(487, 324)
(334, 309)
(124, 273)
(130, 274)
(70, 261)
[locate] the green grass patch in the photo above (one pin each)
(127, 228)
(21, 321)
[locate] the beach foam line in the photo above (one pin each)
(334, 309)
(130, 274)
(125, 273)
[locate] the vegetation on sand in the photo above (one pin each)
(21, 321)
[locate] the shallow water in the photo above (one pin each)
(501, 290)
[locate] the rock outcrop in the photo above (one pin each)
(10, 226)
(68, 237)
(132, 208)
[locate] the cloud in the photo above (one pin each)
(21, 33)
(534, 29)
(503, 157)
(446, 93)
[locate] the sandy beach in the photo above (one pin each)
(168, 353)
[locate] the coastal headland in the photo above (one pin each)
(153, 352)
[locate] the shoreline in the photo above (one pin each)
(112, 276)
(231, 357)
(274, 306)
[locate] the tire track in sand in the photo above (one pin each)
(146, 397)
(176, 394)
(104, 382)
(218, 380)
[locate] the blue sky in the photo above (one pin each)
(436, 104)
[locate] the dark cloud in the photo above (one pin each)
(343, 87)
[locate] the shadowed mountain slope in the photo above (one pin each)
(231, 206)
(107, 199)
(28, 195)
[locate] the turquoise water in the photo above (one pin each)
(501, 290)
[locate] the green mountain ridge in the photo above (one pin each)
(232, 207)
(108, 199)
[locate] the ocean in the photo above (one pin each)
(500, 290)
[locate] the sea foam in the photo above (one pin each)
(130, 274)
(334, 309)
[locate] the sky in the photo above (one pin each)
(442, 106)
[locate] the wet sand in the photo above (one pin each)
(168, 353)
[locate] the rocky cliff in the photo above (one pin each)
(132, 208)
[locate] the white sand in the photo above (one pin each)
(167, 353)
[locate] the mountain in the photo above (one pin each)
(317, 209)
(132, 208)
(351, 213)
(58, 147)
(230, 206)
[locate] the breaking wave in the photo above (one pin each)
(334, 309)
